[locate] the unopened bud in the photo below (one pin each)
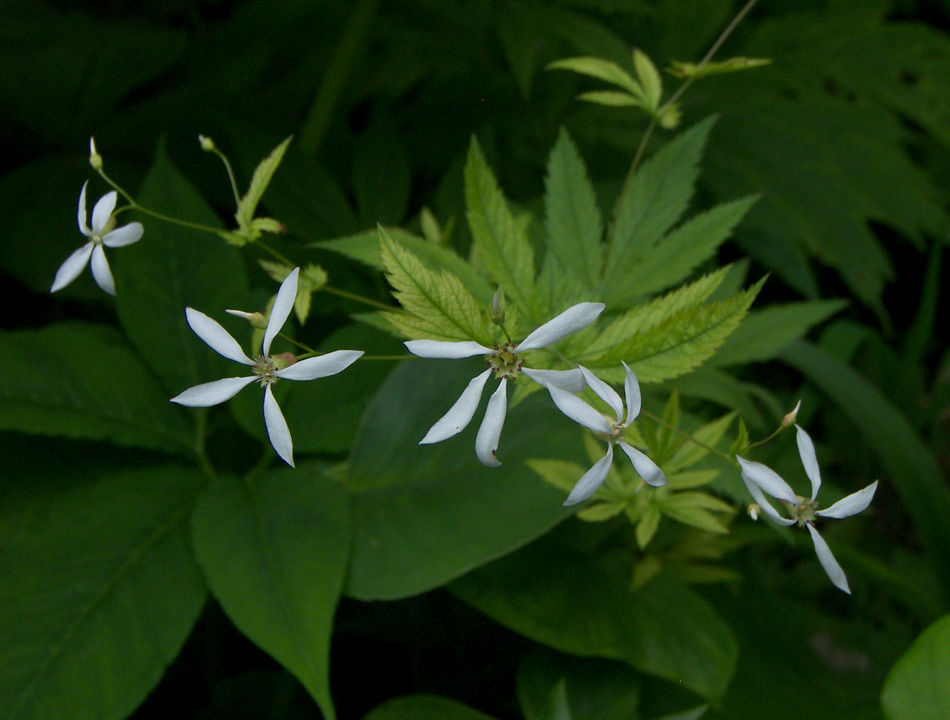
(497, 312)
(95, 159)
(256, 319)
(790, 419)
(207, 144)
(283, 360)
(754, 511)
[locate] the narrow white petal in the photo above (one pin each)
(571, 320)
(828, 562)
(102, 211)
(591, 480)
(460, 414)
(604, 392)
(446, 350)
(806, 448)
(81, 213)
(570, 380)
(756, 492)
(851, 505)
(73, 266)
(631, 388)
(645, 467)
(322, 366)
(280, 310)
(101, 271)
(125, 235)
(767, 479)
(579, 411)
(489, 432)
(277, 429)
(217, 338)
(213, 393)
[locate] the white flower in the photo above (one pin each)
(103, 232)
(505, 362)
(613, 430)
(803, 511)
(266, 369)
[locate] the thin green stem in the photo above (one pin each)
(276, 254)
(359, 298)
(230, 170)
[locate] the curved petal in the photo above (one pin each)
(631, 388)
(645, 467)
(101, 271)
(489, 432)
(591, 480)
(570, 380)
(277, 429)
(806, 448)
(81, 212)
(217, 338)
(579, 411)
(571, 320)
(756, 492)
(447, 350)
(767, 479)
(212, 393)
(460, 414)
(851, 505)
(102, 211)
(828, 562)
(280, 310)
(73, 266)
(321, 366)
(604, 392)
(125, 235)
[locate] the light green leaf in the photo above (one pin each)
(98, 597)
(708, 435)
(610, 98)
(647, 525)
(424, 707)
(916, 687)
(649, 78)
(83, 381)
(734, 64)
(500, 244)
(247, 206)
(693, 508)
(274, 550)
(437, 306)
(602, 70)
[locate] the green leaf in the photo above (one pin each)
(692, 70)
(500, 245)
(610, 98)
(650, 204)
(916, 687)
(602, 70)
(437, 306)
(664, 629)
(274, 550)
(692, 508)
(649, 78)
(647, 525)
(170, 269)
(708, 435)
(247, 206)
(83, 381)
(98, 597)
(573, 219)
(424, 707)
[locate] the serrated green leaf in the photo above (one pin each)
(500, 244)
(602, 70)
(651, 203)
(247, 205)
(610, 98)
(649, 77)
(437, 306)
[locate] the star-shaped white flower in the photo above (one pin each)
(505, 362)
(266, 369)
(102, 232)
(612, 430)
(803, 511)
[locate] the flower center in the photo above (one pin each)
(616, 434)
(266, 370)
(504, 362)
(803, 513)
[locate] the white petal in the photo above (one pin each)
(806, 448)
(579, 411)
(447, 350)
(756, 492)
(81, 213)
(571, 320)
(103, 211)
(604, 392)
(460, 414)
(321, 366)
(280, 311)
(631, 388)
(768, 480)
(101, 271)
(125, 235)
(828, 562)
(570, 380)
(645, 467)
(591, 480)
(489, 432)
(851, 505)
(277, 429)
(73, 266)
(217, 338)
(213, 393)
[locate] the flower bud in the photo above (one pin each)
(790, 419)
(256, 319)
(497, 312)
(207, 144)
(753, 511)
(283, 360)
(95, 159)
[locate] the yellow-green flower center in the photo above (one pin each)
(504, 362)
(266, 370)
(803, 513)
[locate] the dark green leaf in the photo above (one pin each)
(424, 707)
(917, 688)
